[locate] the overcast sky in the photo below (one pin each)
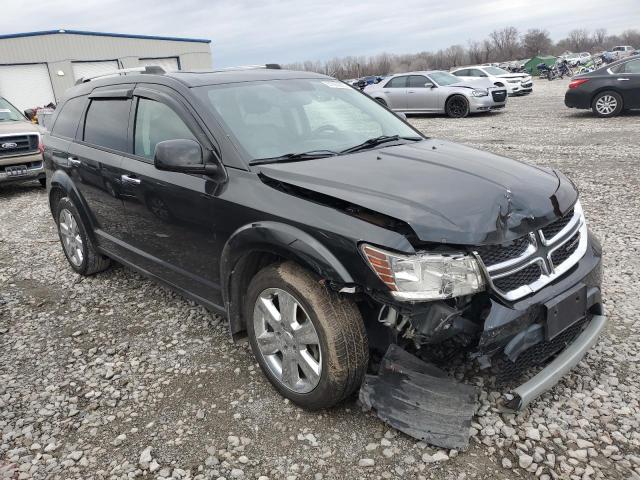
(260, 31)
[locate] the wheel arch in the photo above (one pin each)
(254, 246)
(61, 185)
(607, 88)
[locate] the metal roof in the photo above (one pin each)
(101, 34)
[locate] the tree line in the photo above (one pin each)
(501, 45)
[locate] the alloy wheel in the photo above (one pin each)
(287, 340)
(606, 105)
(71, 239)
(457, 107)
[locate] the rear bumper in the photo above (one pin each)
(576, 98)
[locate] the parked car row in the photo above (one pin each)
(437, 91)
(515, 83)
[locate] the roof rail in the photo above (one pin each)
(269, 66)
(150, 69)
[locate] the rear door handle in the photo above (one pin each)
(130, 180)
(74, 161)
(623, 79)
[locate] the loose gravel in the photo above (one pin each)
(113, 376)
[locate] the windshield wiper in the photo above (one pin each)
(295, 157)
(374, 142)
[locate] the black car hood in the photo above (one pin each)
(446, 192)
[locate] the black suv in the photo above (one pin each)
(323, 226)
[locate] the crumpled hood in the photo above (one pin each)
(446, 192)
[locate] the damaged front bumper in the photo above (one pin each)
(552, 328)
(521, 396)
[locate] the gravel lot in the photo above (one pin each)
(115, 377)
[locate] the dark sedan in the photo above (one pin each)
(608, 90)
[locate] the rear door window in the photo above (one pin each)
(631, 67)
(106, 124)
(67, 122)
(462, 73)
(397, 82)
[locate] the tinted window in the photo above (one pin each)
(106, 124)
(462, 73)
(67, 123)
(417, 81)
(632, 67)
(397, 82)
(155, 123)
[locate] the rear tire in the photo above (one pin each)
(607, 104)
(43, 182)
(334, 339)
(457, 106)
(76, 244)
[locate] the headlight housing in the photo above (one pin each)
(480, 93)
(425, 276)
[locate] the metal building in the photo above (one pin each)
(37, 67)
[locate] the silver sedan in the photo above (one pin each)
(437, 92)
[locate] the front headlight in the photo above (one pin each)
(425, 276)
(480, 93)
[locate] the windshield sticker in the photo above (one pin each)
(336, 84)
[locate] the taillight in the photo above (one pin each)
(576, 83)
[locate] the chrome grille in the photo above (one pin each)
(18, 144)
(527, 264)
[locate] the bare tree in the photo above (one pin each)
(506, 42)
(579, 40)
(598, 38)
(536, 42)
(474, 51)
(631, 37)
(487, 49)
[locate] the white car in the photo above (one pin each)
(515, 83)
(576, 59)
(622, 51)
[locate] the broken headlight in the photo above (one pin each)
(425, 276)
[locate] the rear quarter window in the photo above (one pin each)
(106, 124)
(66, 124)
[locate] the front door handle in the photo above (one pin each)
(74, 161)
(130, 180)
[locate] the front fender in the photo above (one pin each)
(274, 238)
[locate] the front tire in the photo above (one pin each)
(76, 244)
(457, 106)
(607, 104)
(309, 341)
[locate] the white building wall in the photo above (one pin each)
(59, 50)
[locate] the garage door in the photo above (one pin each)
(91, 69)
(26, 86)
(169, 64)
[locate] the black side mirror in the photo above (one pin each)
(184, 156)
